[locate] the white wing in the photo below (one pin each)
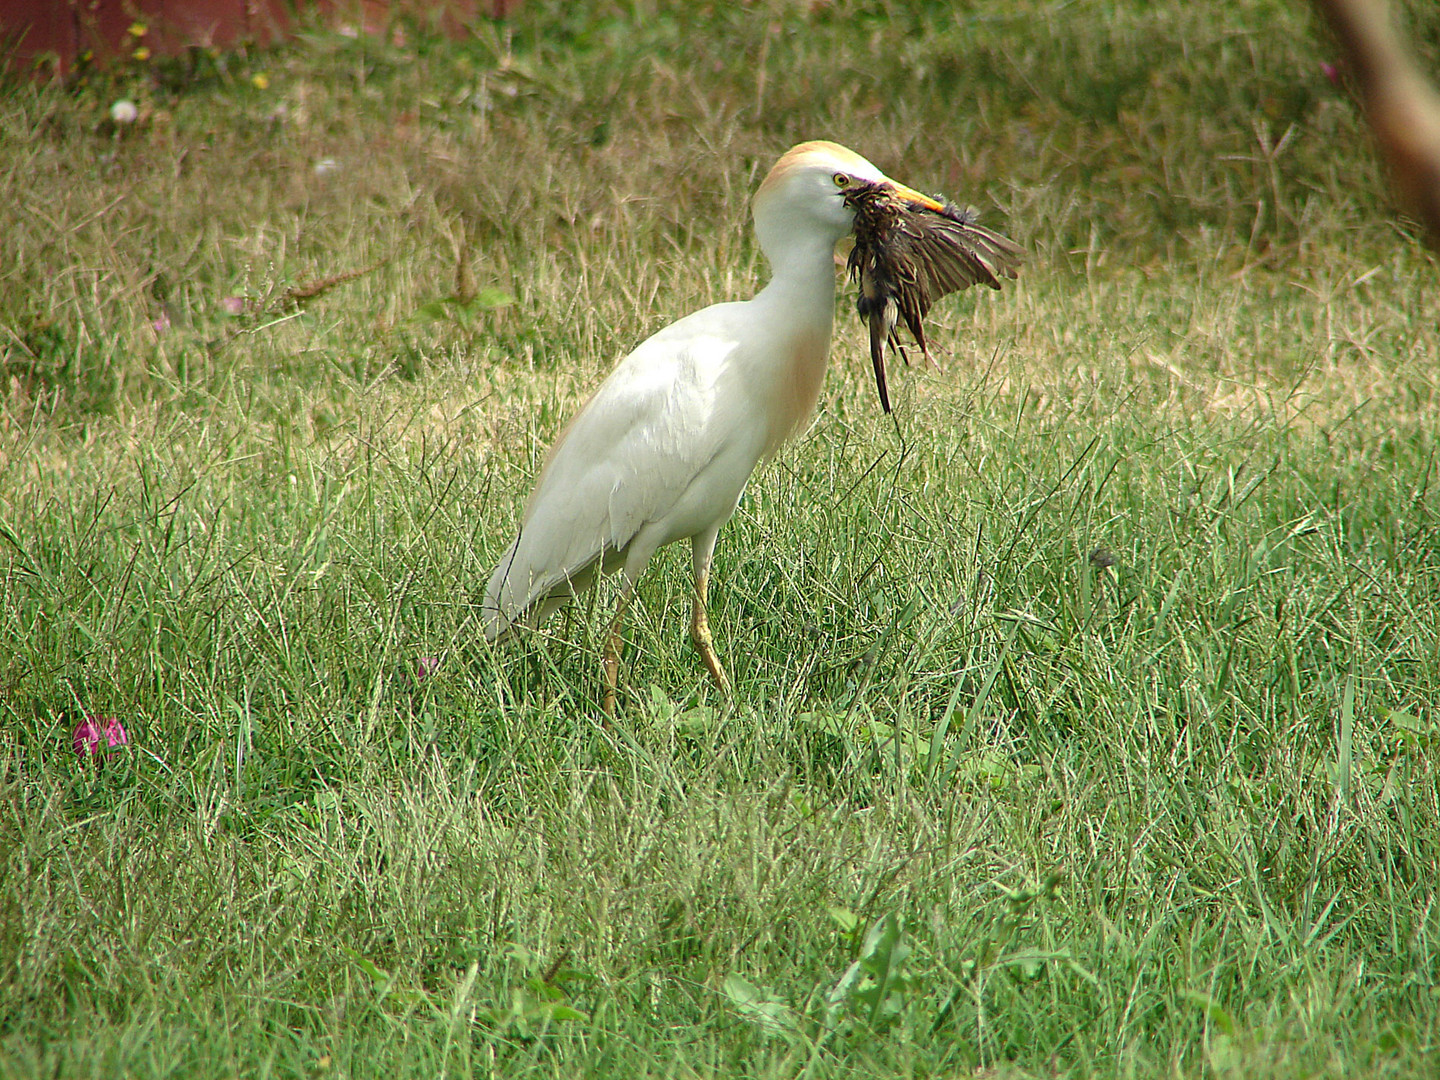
(628, 462)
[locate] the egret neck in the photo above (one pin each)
(797, 307)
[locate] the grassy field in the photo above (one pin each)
(1085, 720)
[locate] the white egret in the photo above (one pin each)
(663, 449)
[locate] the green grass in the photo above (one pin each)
(989, 802)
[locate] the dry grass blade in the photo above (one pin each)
(288, 303)
(298, 294)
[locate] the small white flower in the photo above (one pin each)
(124, 111)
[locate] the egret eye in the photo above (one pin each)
(841, 180)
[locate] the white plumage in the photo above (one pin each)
(664, 448)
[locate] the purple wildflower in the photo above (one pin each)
(93, 729)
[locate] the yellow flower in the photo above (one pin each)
(260, 80)
(141, 53)
(138, 29)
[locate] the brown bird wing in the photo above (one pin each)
(944, 253)
(907, 256)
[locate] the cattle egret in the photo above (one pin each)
(663, 449)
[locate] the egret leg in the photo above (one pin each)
(613, 646)
(703, 548)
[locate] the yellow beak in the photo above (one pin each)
(910, 195)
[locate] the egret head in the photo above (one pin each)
(805, 190)
(802, 201)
